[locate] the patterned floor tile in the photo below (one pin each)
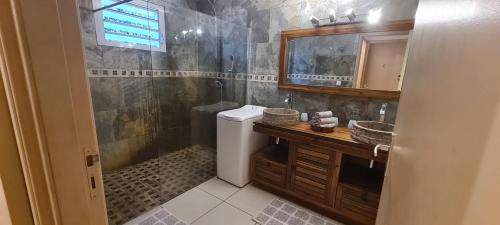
(280, 212)
(139, 188)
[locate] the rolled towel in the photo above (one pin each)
(330, 125)
(326, 120)
(314, 121)
(324, 114)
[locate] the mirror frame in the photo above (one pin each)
(400, 25)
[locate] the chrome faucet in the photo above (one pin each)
(382, 112)
(289, 100)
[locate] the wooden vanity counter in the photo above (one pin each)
(327, 172)
(340, 139)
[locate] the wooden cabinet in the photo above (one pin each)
(357, 202)
(328, 173)
(312, 171)
(270, 165)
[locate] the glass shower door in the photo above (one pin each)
(119, 41)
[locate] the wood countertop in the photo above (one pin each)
(340, 139)
(340, 134)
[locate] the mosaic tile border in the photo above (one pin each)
(178, 73)
(280, 212)
(320, 77)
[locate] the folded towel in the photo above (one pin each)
(324, 114)
(316, 121)
(326, 120)
(330, 125)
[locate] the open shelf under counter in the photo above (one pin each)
(269, 164)
(327, 172)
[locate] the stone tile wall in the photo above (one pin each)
(266, 19)
(139, 116)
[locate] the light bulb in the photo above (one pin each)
(374, 15)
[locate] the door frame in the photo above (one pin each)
(47, 91)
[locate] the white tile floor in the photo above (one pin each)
(216, 202)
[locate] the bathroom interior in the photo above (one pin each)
(161, 71)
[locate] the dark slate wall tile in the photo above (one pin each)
(93, 52)
(263, 54)
(260, 22)
(107, 93)
(114, 155)
(138, 92)
(209, 44)
(265, 94)
(104, 126)
(126, 58)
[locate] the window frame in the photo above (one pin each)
(99, 25)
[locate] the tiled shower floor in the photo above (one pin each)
(139, 188)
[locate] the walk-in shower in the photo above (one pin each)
(158, 79)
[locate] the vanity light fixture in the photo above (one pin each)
(373, 16)
(332, 16)
(350, 15)
(199, 31)
(314, 21)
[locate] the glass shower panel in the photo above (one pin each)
(183, 165)
(156, 111)
(126, 108)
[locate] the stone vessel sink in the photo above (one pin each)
(372, 132)
(280, 116)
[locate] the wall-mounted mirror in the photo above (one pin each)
(351, 59)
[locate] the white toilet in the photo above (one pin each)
(236, 141)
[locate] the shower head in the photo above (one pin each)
(218, 84)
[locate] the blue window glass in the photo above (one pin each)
(131, 23)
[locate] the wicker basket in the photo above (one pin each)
(379, 135)
(323, 129)
(280, 116)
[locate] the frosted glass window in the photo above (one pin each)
(136, 24)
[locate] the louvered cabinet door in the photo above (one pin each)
(312, 175)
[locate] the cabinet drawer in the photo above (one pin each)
(312, 158)
(268, 171)
(312, 172)
(309, 187)
(357, 202)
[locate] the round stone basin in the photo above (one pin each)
(372, 132)
(280, 116)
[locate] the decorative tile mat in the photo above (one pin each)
(137, 189)
(159, 216)
(280, 212)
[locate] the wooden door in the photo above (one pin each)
(444, 166)
(384, 62)
(44, 74)
(312, 173)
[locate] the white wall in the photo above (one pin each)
(444, 166)
(4, 211)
